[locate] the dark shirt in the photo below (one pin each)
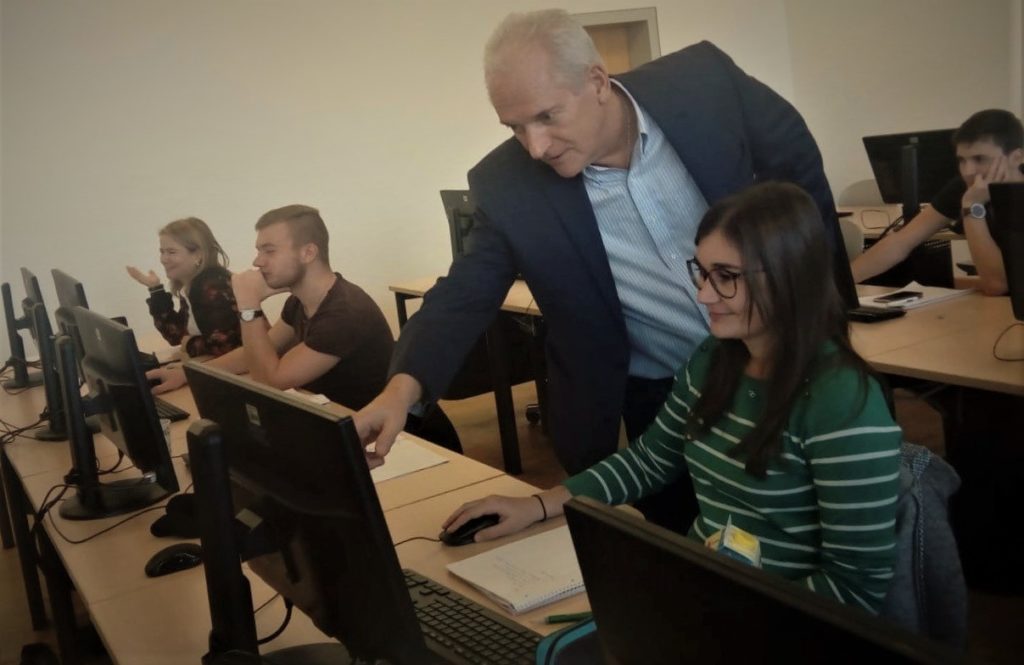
(348, 324)
(949, 202)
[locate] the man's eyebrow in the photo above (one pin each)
(536, 116)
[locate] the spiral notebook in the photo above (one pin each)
(525, 574)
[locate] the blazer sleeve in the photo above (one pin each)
(456, 311)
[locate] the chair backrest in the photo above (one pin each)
(860, 193)
(853, 237)
(928, 594)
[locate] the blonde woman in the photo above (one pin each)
(206, 320)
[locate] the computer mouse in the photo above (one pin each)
(464, 534)
(180, 556)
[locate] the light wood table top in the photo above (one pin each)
(949, 342)
(519, 299)
(169, 624)
(431, 559)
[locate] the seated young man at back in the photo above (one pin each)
(331, 338)
(989, 148)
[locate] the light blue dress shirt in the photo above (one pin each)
(648, 216)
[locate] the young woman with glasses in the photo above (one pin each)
(779, 422)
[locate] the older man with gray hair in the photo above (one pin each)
(595, 201)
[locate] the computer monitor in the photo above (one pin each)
(1008, 219)
(17, 359)
(910, 168)
(70, 294)
(314, 529)
(55, 428)
(120, 395)
(659, 597)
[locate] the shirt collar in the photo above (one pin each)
(641, 123)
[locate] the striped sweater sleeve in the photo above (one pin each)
(652, 461)
(854, 464)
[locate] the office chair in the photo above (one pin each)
(522, 335)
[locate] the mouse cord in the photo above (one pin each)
(429, 540)
(45, 509)
(284, 624)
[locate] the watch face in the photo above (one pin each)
(249, 314)
(977, 211)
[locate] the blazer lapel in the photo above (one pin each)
(568, 197)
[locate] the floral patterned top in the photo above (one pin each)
(213, 307)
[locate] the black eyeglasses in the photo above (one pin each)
(723, 281)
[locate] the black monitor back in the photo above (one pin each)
(70, 294)
(659, 597)
(118, 383)
(301, 469)
(1008, 214)
(936, 162)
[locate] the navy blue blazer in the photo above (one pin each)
(729, 130)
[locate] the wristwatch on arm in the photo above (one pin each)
(248, 315)
(975, 211)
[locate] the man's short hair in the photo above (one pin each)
(305, 225)
(570, 48)
(996, 125)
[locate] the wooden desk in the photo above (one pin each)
(148, 640)
(431, 560)
(519, 300)
(949, 342)
(111, 565)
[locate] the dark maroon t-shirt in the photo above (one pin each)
(349, 325)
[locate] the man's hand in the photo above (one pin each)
(170, 378)
(382, 419)
(150, 280)
(998, 171)
(251, 289)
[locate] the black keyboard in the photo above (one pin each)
(460, 630)
(167, 410)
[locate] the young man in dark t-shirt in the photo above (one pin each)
(331, 338)
(989, 148)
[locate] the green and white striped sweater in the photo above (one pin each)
(825, 512)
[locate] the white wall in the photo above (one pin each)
(882, 66)
(117, 116)
(121, 115)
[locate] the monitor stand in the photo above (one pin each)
(113, 498)
(29, 380)
(307, 654)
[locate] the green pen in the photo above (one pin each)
(568, 618)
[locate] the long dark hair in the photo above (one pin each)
(776, 227)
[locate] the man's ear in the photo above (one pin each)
(309, 253)
(1016, 157)
(597, 76)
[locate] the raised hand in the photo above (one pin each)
(149, 280)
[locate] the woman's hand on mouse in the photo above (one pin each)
(515, 513)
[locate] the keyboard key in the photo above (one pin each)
(469, 631)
